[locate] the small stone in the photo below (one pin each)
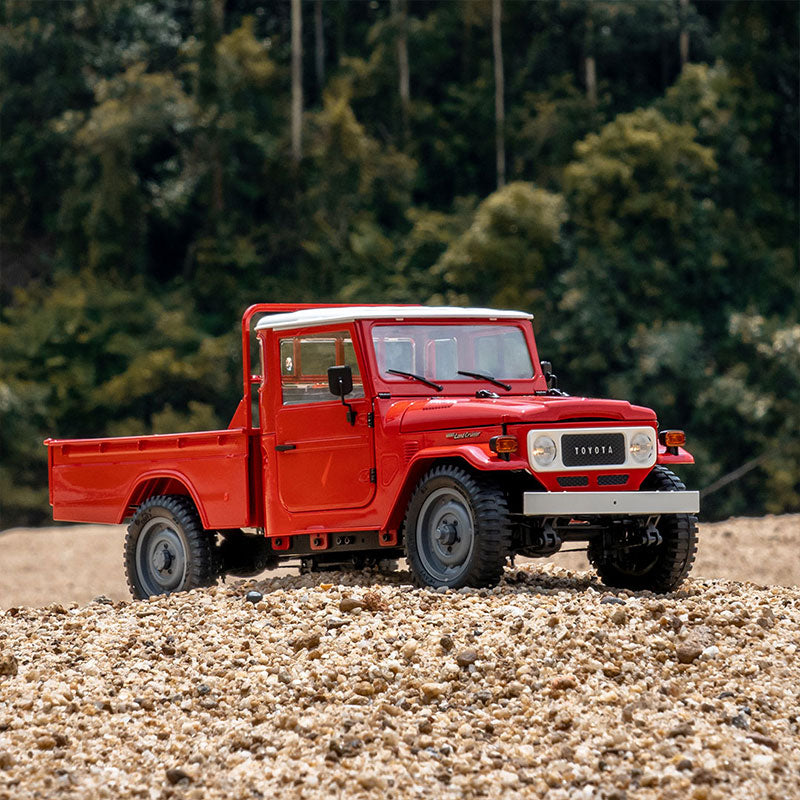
(688, 651)
(759, 738)
(740, 721)
(684, 764)
(254, 597)
(332, 623)
(349, 603)
(506, 778)
(446, 643)
(370, 781)
(409, 649)
(8, 664)
(306, 641)
(710, 652)
(610, 599)
(345, 748)
(466, 657)
(364, 688)
(6, 759)
(432, 691)
(766, 620)
(46, 742)
(563, 682)
(684, 729)
(703, 776)
(175, 775)
(619, 617)
(102, 600)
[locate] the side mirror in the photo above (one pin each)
(549, 376)
(340, 380)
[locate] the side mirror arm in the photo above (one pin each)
(351, 413)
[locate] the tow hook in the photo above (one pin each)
(651, 537)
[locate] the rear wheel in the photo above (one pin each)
(659, 568)
(457, 531)
(167, 550)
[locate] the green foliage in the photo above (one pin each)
(148, 195)
(508, 252)
(87, 357)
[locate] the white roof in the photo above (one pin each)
(324, 316)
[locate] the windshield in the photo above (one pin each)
(440, 352)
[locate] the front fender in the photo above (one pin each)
(476, 455)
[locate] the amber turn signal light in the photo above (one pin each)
(503, 445)
(672, 438)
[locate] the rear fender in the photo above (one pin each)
(168, 482)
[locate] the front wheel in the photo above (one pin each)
(167, 550)
(457, 531)
(661, 568)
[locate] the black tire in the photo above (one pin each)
(457, 531)
(659, 569)
(167, 550)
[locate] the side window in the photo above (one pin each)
(304, 366)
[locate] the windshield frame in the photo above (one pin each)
(462, 385)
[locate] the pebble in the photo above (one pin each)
(532, 689)
(254, 597)
(688, 651)
(8, 664)
(466, 657)
(349, 603)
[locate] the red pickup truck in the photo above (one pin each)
(367, 433)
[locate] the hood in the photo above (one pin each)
(443, 413)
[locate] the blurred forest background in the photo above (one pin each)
(626, 171)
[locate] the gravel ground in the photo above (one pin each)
(75, 563)
(351, 685)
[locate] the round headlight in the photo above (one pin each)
(544, 450)
(641, 447)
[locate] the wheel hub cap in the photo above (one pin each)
(447, 532)
(162, 560)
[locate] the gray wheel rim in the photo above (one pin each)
(160, 557)
(445, 534)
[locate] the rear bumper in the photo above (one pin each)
(578, 504)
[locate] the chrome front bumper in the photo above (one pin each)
(579, 504)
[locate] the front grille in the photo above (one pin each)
(573, 480)
(612, 480)
(592, 449)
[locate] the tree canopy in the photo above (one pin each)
(150, 190)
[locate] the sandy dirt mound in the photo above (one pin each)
(75, 563)
(359, 686)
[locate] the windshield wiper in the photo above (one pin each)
(506, 386)
(419, 378)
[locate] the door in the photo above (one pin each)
(323, 462)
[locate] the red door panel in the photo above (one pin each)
(329, 463)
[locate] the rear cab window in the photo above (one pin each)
(305, 359)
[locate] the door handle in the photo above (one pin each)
(282, 447)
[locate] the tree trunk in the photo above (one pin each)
(319, 45)
(683, 43)
(297, 80)
(499, 90)
(590, 68)
(399, 9)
